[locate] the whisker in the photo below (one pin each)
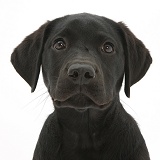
(45, 100)
(39, 101)
(128, 106)
(34, 99)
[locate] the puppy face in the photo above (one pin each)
(83, 61)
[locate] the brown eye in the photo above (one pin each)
(108, 47)
(59, 44)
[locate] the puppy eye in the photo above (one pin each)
(108, 47)
(59, 44)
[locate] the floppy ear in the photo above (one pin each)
(27, 57)
(137, 58)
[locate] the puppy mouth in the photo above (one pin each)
(81, 97)
(80, 102)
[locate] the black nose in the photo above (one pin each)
(81, 73)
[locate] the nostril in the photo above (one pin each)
(88, 75)
(74, 74)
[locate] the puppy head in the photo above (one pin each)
(85, 38)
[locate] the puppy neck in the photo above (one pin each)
(89, 121)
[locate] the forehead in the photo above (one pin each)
(84, 21)
(85, 24)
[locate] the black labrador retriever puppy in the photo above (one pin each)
(84, 58)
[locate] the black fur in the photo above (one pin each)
(84, 58)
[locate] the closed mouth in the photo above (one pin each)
(79, 102)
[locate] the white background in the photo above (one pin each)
(22, 114)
